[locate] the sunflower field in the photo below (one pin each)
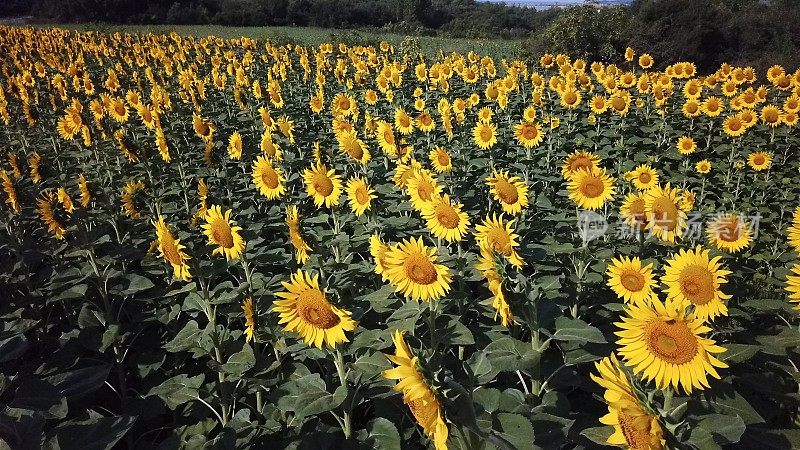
(213, 243)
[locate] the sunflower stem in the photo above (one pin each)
(340, 369)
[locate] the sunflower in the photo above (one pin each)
(203, 128)
(299, 244)
(323, 185)
(249, 310)
(11, 192)
(35, 162)
(131, 199)
(351, 145)
(793, 286)
(591, 188)
(422, 188)
(270, 149)
(733, 126)
(268, 179)
(793, 232)
(634, 426)
(378, 251)
(630, 280)
(578, 160)
(65, 200)
(306, 311)
(487, 265)
(411, 267)
(403, 122)
(686, 145)
(440, 160)
(117, 110)
(46, 206)
(665, 344)
(510, 191)
(235, 146)
(417, 393)
(223, 233)
(632, 210)
(663, 212)
(694, 278)
(445, 219)
(643, 177)
(359, 195)
(759, 160)
(703, 167)
(171, 250)
(386, 138)
(730, 233)
(496, 235)
(484, 135)
(528, 134)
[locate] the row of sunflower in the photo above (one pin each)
(264, 241)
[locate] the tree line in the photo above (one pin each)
(708, 32)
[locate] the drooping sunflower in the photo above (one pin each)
(484, 135)
(268, 179)
(359, 195)
(643, 177)
(131, 198)
(86, 192)
(793, 232)
(631, 281)
(510, 191)
(487, 265)
(378, 251)
(351, 145)
(634, 426)
(249, 310)
(440, 160)
(686, 145)
(703, 167)
(759, 160)
(299, 244)
(793, 285)
(729, 233)
(496, 235)
(664, 215)
(445, 219)
(417, 393)
(528, 134)
(172, 250)
(10, 191)
(578, 160)
(223, 233)
(422, 189)
(412, 268)
(693, 278)
(51, 214)
(235, 146)
(666, 345)
(305, 310)
(591, 188)
(323, 185)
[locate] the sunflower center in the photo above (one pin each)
(420, 269)
(269, 177)
(315, 309)
(671, 341)
(425, 190)
(634, 436)
(355, 150)
(447, 216)
(697, 284)
(221, 232)
(581, 162)
(362, 196)
(665, 213)
(323, 184)
(499, 240)
(170, 250)
(486, 134)
(645, 177)
(592, 187)
(443, 158)
(119, 108)
(570, 98)
(729, 231)
(204, 129)
(424, 411)
(506, 191)
(529, 132)
(388, 136)
(758, 160)
(632, 280)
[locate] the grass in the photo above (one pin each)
(430, 45)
